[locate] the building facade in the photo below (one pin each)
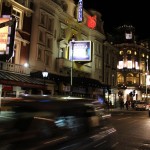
(133, 66)
(44, 33)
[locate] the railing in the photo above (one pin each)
(65, 63)
(14, 68)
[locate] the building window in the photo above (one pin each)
(63, 33)
(43, 17)
(120, 65)
(120, 79)
(48, 58)
(41, 36)
(135, 53)
(136, 65)
(130, 78)
(100, 49)
(128, 51)
(129, 64)
(15, 59)
(49, 42)
(40, 51)
(18, 14)
(121, 52)
(143, 55)
(50, 25)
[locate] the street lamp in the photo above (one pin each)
(71, 74)
(146, 75)
(45, 75)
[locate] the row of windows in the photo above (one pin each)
(47, 21)
(129, 52)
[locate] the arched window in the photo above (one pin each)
(120, 79)
(130, 78)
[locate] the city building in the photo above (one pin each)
(15, 31)
(74, 52)
(133, 65)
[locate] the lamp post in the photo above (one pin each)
(71, 74)
(45, 75)
(146, 75)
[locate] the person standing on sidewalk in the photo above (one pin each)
(127, 104)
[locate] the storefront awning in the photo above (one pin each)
(8, 78)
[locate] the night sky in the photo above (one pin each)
(120, 12)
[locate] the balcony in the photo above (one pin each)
(130, 70)
(65, 63)
(15, 68)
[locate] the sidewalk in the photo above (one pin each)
(119, 110)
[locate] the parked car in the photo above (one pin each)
(140, 105)
(56, 124)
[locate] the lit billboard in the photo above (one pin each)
(80, 51)
(4, 39)
(7, 35)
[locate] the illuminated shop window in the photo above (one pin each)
(142, 67)
(129, 64)
(120, 65)
(120, 78)
(136, 65)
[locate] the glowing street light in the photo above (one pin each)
(71, 74)
(45, 75)
(146, 75)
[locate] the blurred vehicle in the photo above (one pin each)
(140, 105)
(56, 123)
(148, 106)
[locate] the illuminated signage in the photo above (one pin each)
(80, 11)
(128, 36)
(80, 51)
(7, 35)
(4, 39)
(148, 80)
(91, 22)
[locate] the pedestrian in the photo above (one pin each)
(127, 105)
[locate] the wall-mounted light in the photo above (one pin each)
(26, 65)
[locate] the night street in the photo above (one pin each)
(133, 129)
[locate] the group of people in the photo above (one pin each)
(127, 104)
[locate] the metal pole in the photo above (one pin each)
(71, 80)
(146, 77)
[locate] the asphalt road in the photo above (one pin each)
(133, 129)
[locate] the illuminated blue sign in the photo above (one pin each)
(80, 11)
